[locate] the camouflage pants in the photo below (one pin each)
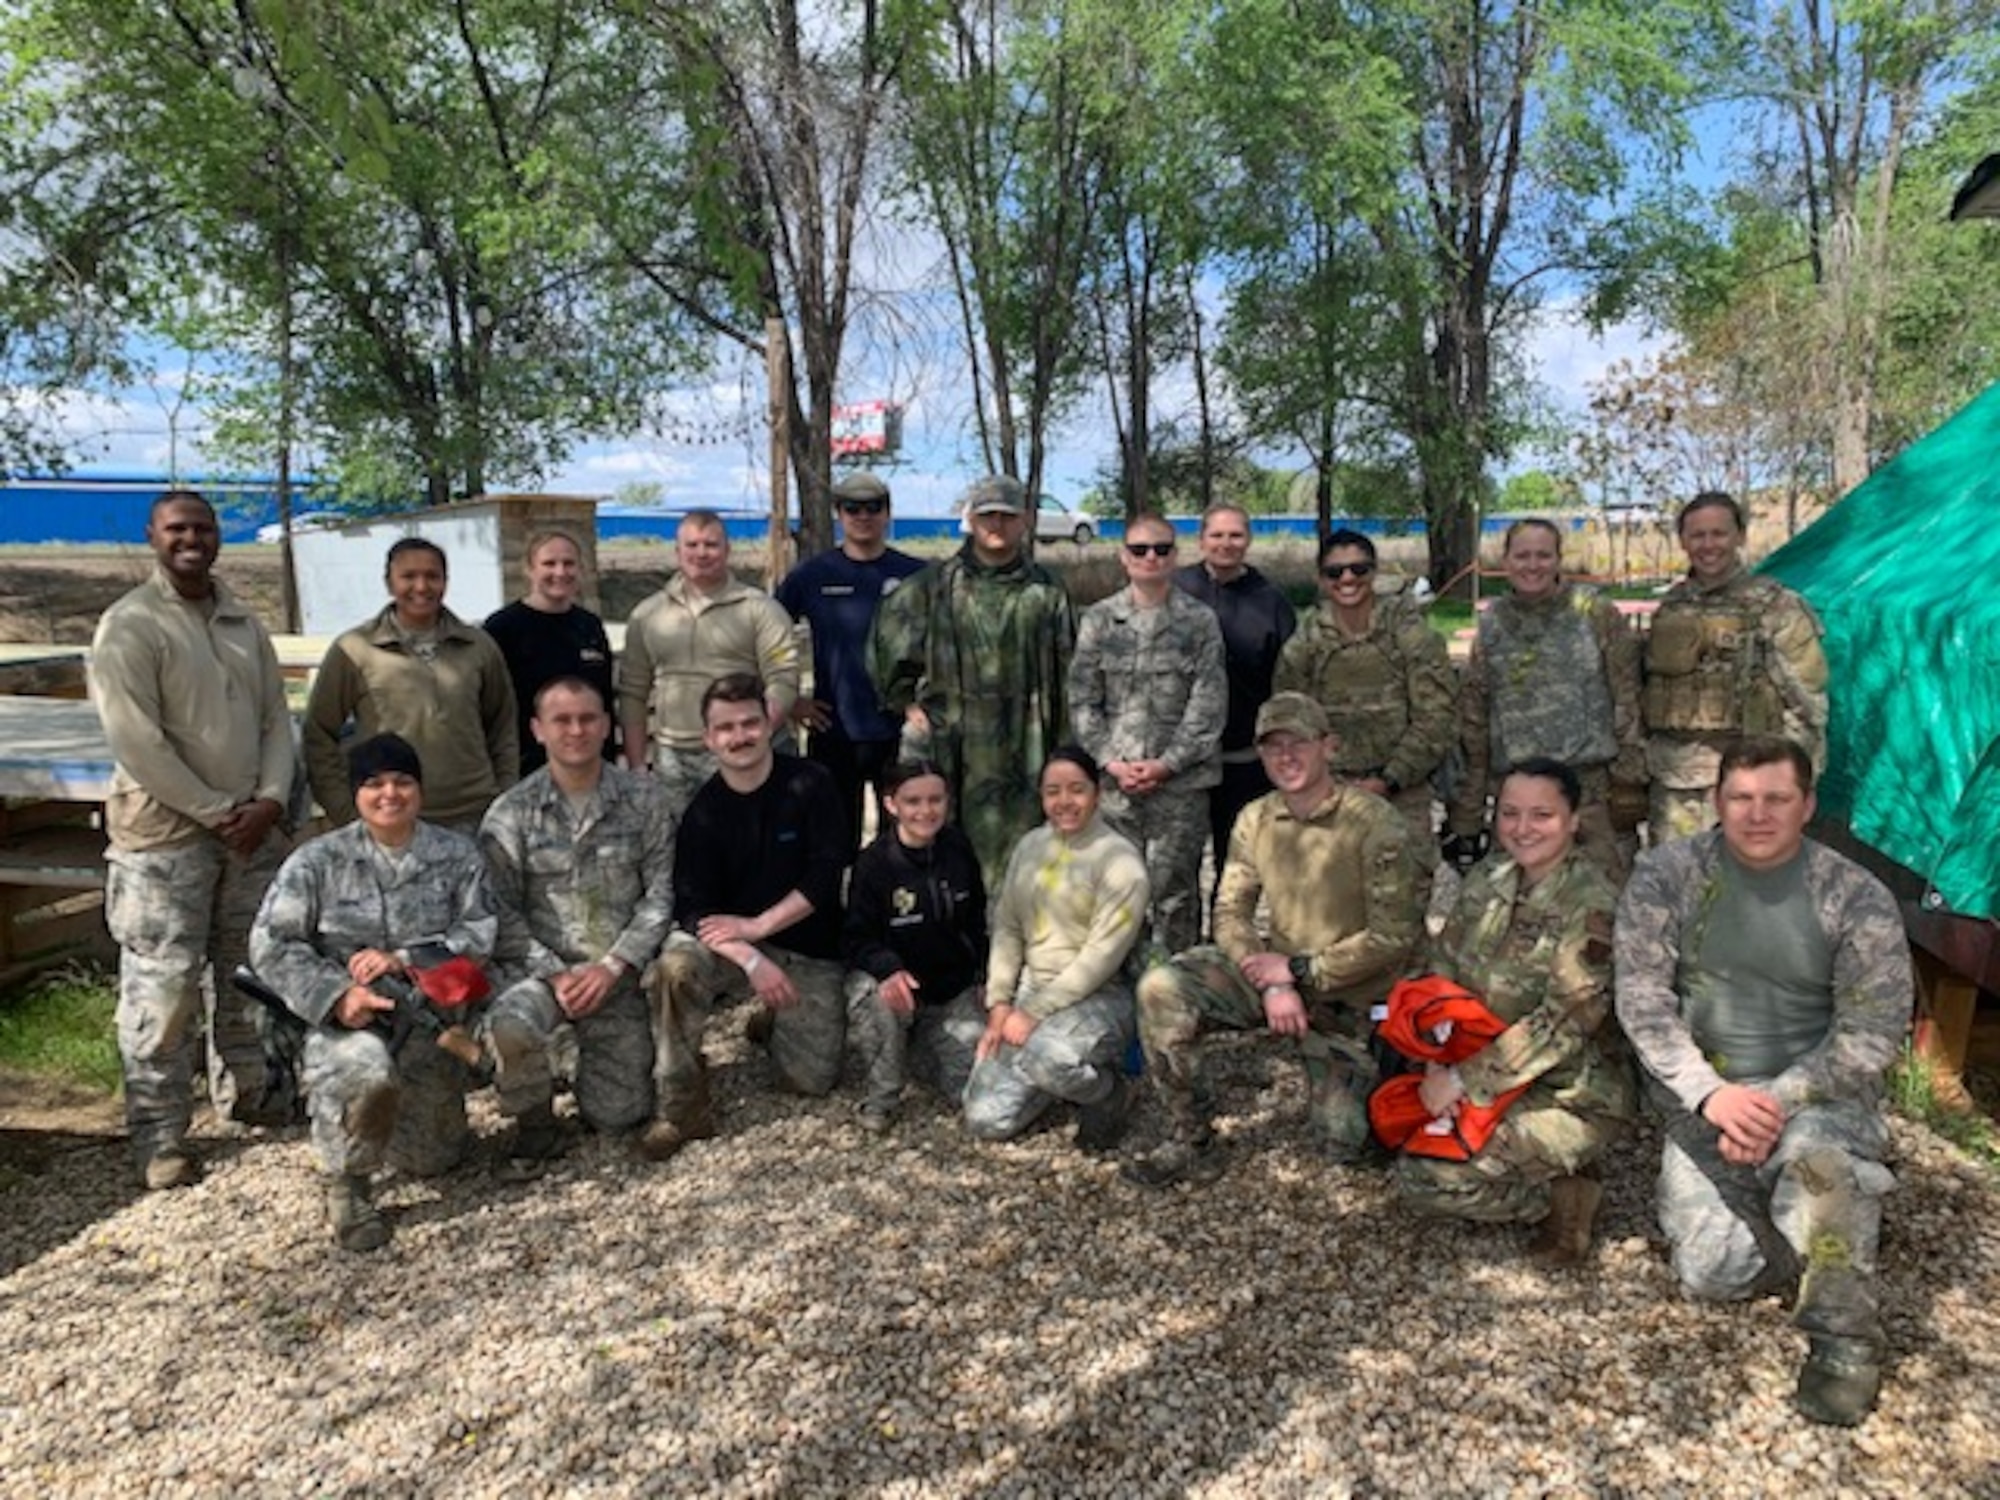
(1674, 812)
(369, 1109)
(1508, 1181)
(1072, 1055)
(182, 916)
(1814, 1205)
(690, 982)
(682, 773)
(1169, 829)
(935, 1043)
(614, 1061)
(1595, 835)
(1203, 990)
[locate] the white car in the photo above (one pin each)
(308, 520)
(1056, 522)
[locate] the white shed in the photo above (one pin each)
(484, 540)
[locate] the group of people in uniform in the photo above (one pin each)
(1030, 917)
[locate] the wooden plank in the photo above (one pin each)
(53, 748)
(64, 858)
(1946, 1003)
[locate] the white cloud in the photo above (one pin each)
(1568, 358)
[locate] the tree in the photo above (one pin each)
(784, 105)
(1519, 126)
(995, 133)
(392, 194)
(1845, 88)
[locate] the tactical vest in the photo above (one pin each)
(1707, 663)
(1546, 687)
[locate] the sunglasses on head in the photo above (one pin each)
(863, 507)
(1157, 549)
(1338, 571)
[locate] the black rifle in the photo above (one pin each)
(284, 1031)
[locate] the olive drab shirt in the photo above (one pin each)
(1661, 918)
(1342, 888)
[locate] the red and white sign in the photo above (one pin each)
(867, 429)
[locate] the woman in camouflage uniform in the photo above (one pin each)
(1531, 936)
(1554, 671)
(1384, 679)
(334, 939)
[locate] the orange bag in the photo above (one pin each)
(1435, 1020)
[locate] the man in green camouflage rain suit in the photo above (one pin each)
(973, 653)
(1335, 866)
(1765, 983)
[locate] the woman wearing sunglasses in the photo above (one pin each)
(1383, 677)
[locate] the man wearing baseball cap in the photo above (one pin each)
(837, 594)
(1343, 888)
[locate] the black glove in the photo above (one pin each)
(1463, 850)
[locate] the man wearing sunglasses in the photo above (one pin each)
(837, 594)
(1148, 694)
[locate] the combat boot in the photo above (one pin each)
(537, 1142)
(1102, 1125)
(172, 1167)
(1839, 1381)
(693, 1119)
(1564, 1237)
(1197, 1160)
(358, 1224)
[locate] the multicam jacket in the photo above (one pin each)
(1389, 691)
(1540, 957)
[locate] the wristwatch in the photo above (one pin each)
(1301, 967)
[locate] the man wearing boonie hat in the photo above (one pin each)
(1343, 887)
(837, 594)
(971, 653)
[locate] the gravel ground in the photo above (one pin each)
(800, 1309)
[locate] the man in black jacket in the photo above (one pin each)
(757, 867)
(1256, 622)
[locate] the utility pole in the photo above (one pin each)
(778, 368)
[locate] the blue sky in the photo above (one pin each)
(147, 429)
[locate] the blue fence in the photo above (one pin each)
(114, 509)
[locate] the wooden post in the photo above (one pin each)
(778, 367)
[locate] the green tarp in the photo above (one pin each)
(1906, 574)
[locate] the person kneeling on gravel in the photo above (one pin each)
(757, 868)
(916, 947)
(581, 860)
(1072, 906)
(337, 928)
(1345, 892)
(1765, 983)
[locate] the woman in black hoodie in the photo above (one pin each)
(916, 943)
